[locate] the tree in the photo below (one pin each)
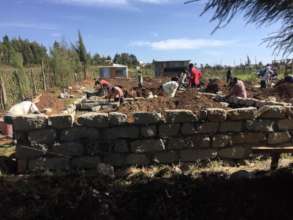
(260, 12)
(82, 53)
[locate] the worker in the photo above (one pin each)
(195, 76)
(266, 77)
(170, 88)
(238, 88)
(101, 88)
(228, 76)
(182, 80)
(23, 108)
(117, 93)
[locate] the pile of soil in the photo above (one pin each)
(183, 100)
(216, 85)
(51, 100)
(208, 196)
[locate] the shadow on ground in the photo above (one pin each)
(266, 195)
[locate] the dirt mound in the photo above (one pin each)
(50, 100)
(183, 100)
(216, 85)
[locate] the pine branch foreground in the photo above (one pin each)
(260, 12)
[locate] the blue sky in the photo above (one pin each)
(150, 29)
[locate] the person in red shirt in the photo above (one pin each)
(195, 76)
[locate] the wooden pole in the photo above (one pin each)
(44, 76)
(3, 93)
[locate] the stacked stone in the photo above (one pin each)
(61, 143)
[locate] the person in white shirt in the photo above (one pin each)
(22, 108)
(170, 88)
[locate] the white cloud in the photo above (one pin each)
(28, 25)
(182, 44)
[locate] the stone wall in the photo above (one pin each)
(63, 142)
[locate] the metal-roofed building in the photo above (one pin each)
(170, 68)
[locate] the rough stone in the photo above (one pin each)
(61, 121)
(28, 152)
(285, 124)
(30, 122)
(192, 155)
(117, 118)
(234, 153)
(279, 138)
(200, 141)
(43, 136)
(166, 157)
(249, 138)
(179, 143)
(242, 114)
(188, 129)
(22, 166)
(120, 146)
(67, 149)
(216, 114)
(231, 126)
(85, 162)
(167, 130)
(145, 118)
(208, 127)
(180, 116)
(137, 159)
(77, 133)
(115, 159)
(260, 125)
(106, 170)
(98, 120)
(122, 132)
(150, 145)
(149, 131)
(272, 112)
(241, 174)
(55, 163)
(221, 141)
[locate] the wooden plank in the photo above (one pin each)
(287, 149)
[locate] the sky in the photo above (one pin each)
(150, 29)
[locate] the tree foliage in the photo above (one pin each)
(126, 59)
(260, 12)
(82, 53)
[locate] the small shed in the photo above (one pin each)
(116, 70)
(170, 68)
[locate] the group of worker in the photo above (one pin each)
(266, 74)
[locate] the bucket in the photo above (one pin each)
(6, 129)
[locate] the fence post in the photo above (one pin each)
(3, 93)
(44, 76)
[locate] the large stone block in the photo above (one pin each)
(208, 127)
(117, 118)
(221, 141)
(249, 138)
(180, 116)
(201, 141)
(188, 129)
(67, 149)
(260, 125)
(77, 133)
(272, 112)
(149, 131)
(120, 146)
(137, 159)
(285, 124)
(279, 138)
(28, 152)
(192, 155)
(145, 118)
(150, 145)
(122, 132)
(242, 114)
(115, 159)
(179, 143)
(231, 126)
(43, 136)
(216, 114)
(98, 120)
(30, 122)
(168, 130)
(55, 163)
(166, 157)
(85, 162)
(234, 153)
(61, 121)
